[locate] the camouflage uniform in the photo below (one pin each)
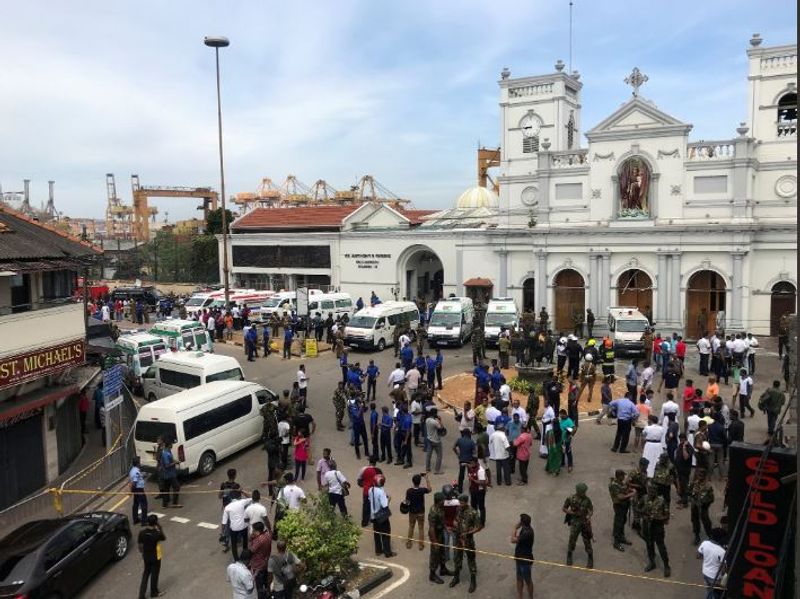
(579, 524)
(638, 480)
(477, 345)
(467, 520)
(655, 515)
(436, 524)
(339, 401)
(663, 478)
(618, 489)
(270, 418)
(701, 496)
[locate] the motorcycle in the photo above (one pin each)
(328, 588)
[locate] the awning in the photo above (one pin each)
(478, 282)
(28, 402)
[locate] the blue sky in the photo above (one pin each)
(335, 90)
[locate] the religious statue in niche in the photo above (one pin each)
(634, 188)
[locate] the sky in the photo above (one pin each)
(404, 91)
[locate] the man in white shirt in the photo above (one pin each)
(240, 577)
(520, 411)
(335, 481)
(105, 311)
(416, 419)
(323, 466)
(397, 376)
(412, 381)
(498, 453)
(715, 343)
(404, 340)
(738, 349)
(256, 512)
(302, 383)
(668, 407)
(491, 413)
(233, 516)
(744, 391)
(704, 348)
(712, 553)
(752, 344)
(505, 394)
(647, 377)
(291, 494)
(284, 432)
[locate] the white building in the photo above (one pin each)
(691, 230)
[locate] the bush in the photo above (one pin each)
(524, 386)
(321, 537)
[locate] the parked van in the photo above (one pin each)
(199, 301)
(373, 327)
(626, 326)
(185, 370)
(205, 424)
(337, 304)
(283, 301)
(501, 312)
(183, 335)
(241, 297)
(140, 351)
(451, 322)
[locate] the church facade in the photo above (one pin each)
(697, 233)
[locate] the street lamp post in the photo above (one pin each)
(218, 42)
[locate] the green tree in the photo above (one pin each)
(204, 259)
(214, 221)
(321, 537)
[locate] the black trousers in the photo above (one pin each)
(523, 470)
(683, 484)
(744, 404)
(462, 471)
(386, 445)
(383, 542)
(151, 571)
(438, 377)
(237, 537)
(170, 485)
(560, 361)
(623, 435)
(700, 515)
(620, 516)
(477, 499)
(654, 537)
(703, 364)
(139, 502)
(371, 387)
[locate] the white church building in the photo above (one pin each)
(691, 231)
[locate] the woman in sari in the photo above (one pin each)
(554, 454)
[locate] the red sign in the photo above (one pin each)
(23, 367)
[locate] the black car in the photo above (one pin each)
(149, 296)
(49, 559)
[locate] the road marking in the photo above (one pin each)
(401, 581)
(208, 525)
(114, 507)
(179, 520)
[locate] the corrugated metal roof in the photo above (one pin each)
(309, 217)
(25, 241)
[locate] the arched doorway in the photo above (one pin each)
(705, 299)
(782, 301)
(635, 288)
(570, 299)
(529, 295)
(421, 275)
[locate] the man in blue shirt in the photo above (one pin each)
(374, 427)
(387, 422)
(430, 370)
(497, 377)
(265, 340)
(627, 413)
(359, 428)
(372, 379)
(354, 377)
(169, 470)
(407, 357)
(439, 364)
(137, 488)
(343, 366)
(288, 337)
(405, 425)
(252, 343)
(419, 364)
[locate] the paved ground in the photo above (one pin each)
(194, 566)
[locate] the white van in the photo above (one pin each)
(373, 327)
(183, 335)
(199, 301)
(501, 312)
(626, 326)
(337, 304)
(140, 351)
(185, 370)
(205, 424)
(283, 301)
(451, 322)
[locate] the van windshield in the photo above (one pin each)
(500, 319)
(272, 302)
(151, 431)
(442, 319)
(196, 301)
(631, 326)
(234, 374)
(362, 322)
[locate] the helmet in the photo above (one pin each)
(572, 337)
(562, 340)
(607, 342)
(591, 343)
(589, 358)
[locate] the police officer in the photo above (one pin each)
(436, 562)
(621, 495)
(339, 403)
(655, 516)
(637, 480)
(578, 509)
(467, 524)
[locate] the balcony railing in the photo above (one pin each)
(787, 129)
(711, 150)
(569, 159)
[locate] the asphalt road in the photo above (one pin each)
(194, 566)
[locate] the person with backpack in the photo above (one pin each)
(282, 572)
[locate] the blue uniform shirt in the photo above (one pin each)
(372, 372)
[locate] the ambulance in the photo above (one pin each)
(451, 322)
(183, 335)
(502, 312)
(626, 326)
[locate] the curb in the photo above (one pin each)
(376, 580)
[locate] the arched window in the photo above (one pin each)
(571, 130)
(787, 115)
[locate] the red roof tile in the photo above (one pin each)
(308, 217)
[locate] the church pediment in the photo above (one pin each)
(637, 118)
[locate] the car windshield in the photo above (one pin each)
(234, 374)
(362, 322)
(500, 319)
(151, 431)
(195, 301)
(442, 319)
(272, 302)
(631, 326)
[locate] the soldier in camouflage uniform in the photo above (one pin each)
(637, 480)
(664, 477)
(478, 353)
(436, 562)
(578, 509)
(621, 495)
(655, 516)
(701, 496)
(467, 524)
(339, 403)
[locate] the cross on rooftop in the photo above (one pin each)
(636, 79)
